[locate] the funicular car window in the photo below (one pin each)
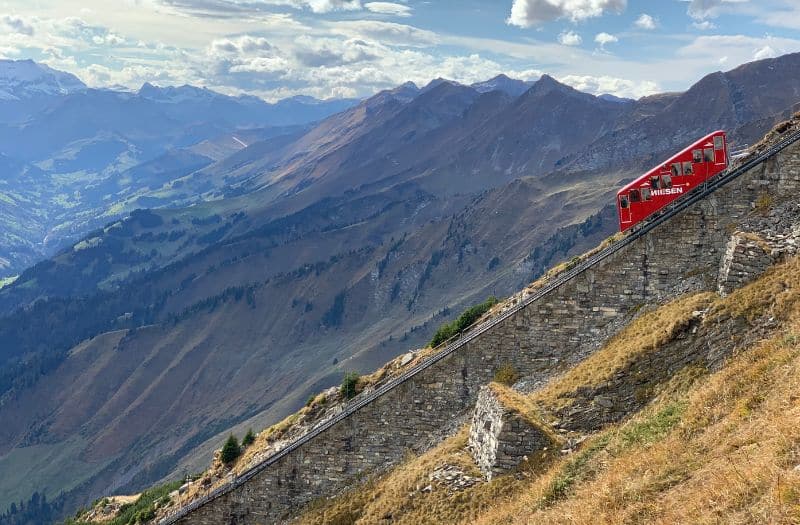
(697, 156)
(718, 142)
(676, 169)
(623, 202)
(708, 155)
(687, 168)
(666, 181)
(646, 194)
(635, 195)
(654, 183)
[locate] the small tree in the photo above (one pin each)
(230, 451)
(348, 388)
(248, 438)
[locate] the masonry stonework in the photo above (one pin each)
(549, 335)
(501, 437)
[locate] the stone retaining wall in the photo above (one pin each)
(551, 334)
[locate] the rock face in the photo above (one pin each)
(746, 257)
(501, 436)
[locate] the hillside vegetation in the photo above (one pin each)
(711, 447)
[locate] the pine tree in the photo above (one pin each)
(249, 438)
(231, 450)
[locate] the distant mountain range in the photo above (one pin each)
(64, 147)
(266, 270)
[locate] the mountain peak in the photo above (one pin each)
(25, 78)
(504, 83)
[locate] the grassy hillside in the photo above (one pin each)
(712, 446)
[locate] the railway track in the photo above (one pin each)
(676, 207)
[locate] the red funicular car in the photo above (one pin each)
(677, 176)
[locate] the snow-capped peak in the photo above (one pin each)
(21, 79)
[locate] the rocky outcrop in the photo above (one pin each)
(502, 434)
(746, 257)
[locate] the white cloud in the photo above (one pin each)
(16, 24)
(705, 25)
(388, 8)
(326, 6)
(605, 38)
(619, 87)
(765, 52)
(737, 48)
(389, 33)
(703, 9)
(528, 13)
(646, 21)
(570, 38)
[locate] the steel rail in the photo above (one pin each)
(676, 207)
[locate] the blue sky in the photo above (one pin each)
(335, 48)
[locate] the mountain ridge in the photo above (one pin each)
(266, 287)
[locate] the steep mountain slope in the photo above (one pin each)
(733, 101)
(351, 242)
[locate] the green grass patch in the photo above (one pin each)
(654, 427)
(575, 470)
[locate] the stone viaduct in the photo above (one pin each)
(554, 332)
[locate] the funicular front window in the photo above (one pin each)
(718, 142)
(623, 202)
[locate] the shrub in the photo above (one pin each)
(349, 383)
(248, 438)
(230, 451)
(763, 203)
(506, 375)
(464, 321)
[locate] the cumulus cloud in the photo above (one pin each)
(240, 45)
(765, 52)
(326, 6)
(569, 38)
(605, 38)
(16, 24)
(619, 87)
(388, 8)
(528, 13)
(646, 21)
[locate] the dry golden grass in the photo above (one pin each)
(719, 448)
(397, 497)
(645, 334)
(730, 457)
(776, 294)
(524, 406)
